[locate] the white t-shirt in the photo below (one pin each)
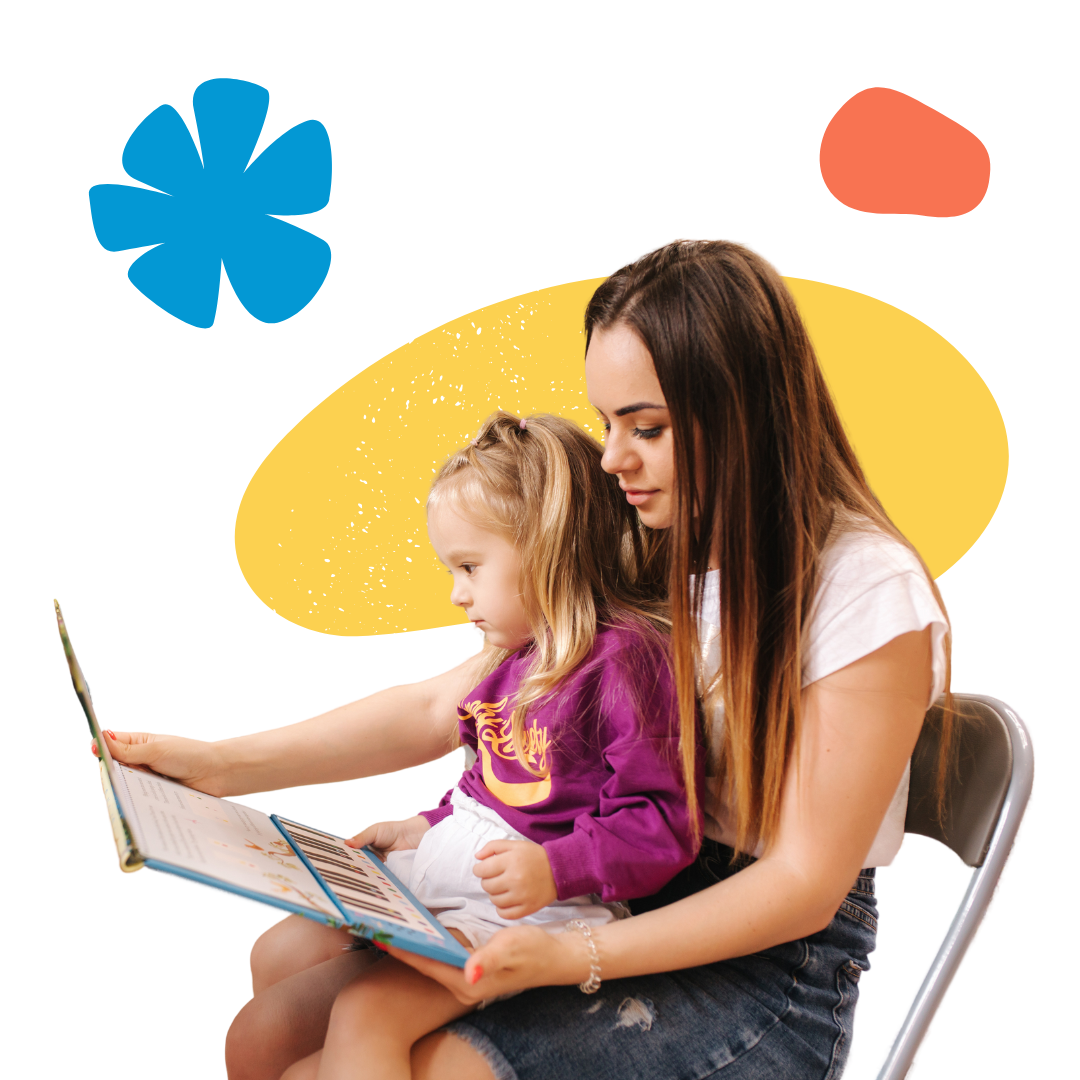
(871, 589)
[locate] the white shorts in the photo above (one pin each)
(439, 873)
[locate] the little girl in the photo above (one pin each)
(575, 802)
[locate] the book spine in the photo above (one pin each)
(313, 870)
(130, 859)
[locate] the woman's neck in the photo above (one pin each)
(714, 557)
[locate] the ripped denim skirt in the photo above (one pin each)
(782, 1013)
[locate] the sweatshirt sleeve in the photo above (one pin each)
(443, 810)
(640, 836)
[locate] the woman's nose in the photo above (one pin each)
(619, 455)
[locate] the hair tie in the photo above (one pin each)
(523, 423)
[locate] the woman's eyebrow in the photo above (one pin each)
(637, 407)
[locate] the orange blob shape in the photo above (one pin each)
(886, 153)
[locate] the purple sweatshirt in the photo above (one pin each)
(610, 810)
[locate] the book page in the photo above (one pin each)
(358, 880)
(236, 845)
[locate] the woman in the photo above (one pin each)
(785, 575)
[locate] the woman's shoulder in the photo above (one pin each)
(859, 554)
(871, 588)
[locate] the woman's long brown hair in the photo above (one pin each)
(754, 423)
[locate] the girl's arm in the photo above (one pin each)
(860, 725)
(390, 730)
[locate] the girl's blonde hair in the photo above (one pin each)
(764, 473)
(538, 482)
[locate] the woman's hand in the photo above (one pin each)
(188, 761)
(518, 958)
(516, 874)
(392, 835)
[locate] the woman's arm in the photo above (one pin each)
(390, 730)
(859, 728)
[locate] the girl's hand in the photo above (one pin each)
(517, 958)
(187, 761)
(392, 835)
(517, 876)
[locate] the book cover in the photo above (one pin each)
(168, 826)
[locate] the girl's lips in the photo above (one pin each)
(636, 498)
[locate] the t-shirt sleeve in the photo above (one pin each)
(640, 836)
(875, 594)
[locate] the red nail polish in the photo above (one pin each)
(111, 734)
(476, 976)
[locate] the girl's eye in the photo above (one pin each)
(468, 567)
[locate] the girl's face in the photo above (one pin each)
(639, 446)
(487, 576)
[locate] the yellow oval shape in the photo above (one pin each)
(925, 427)
(331, 533)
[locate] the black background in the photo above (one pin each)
(152, 430)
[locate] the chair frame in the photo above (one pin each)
(986, 847)
(976, 900)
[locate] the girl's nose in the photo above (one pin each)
(459, 594)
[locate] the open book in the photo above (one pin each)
(159, 823)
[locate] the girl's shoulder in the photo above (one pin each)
(628, 639)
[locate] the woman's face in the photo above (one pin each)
(638, 446)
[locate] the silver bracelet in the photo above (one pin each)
(592, 983)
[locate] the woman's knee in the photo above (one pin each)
(253, 1049)
(442, 1054)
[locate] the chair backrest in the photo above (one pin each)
(976, 788)
(984, 803)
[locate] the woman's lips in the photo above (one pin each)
(635, 496)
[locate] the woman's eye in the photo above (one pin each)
(646, 433)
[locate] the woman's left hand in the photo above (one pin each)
(517, 958)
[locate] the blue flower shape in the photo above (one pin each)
(217, 209)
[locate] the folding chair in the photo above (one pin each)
(983, 808)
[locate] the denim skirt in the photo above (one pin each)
(781, 1014)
